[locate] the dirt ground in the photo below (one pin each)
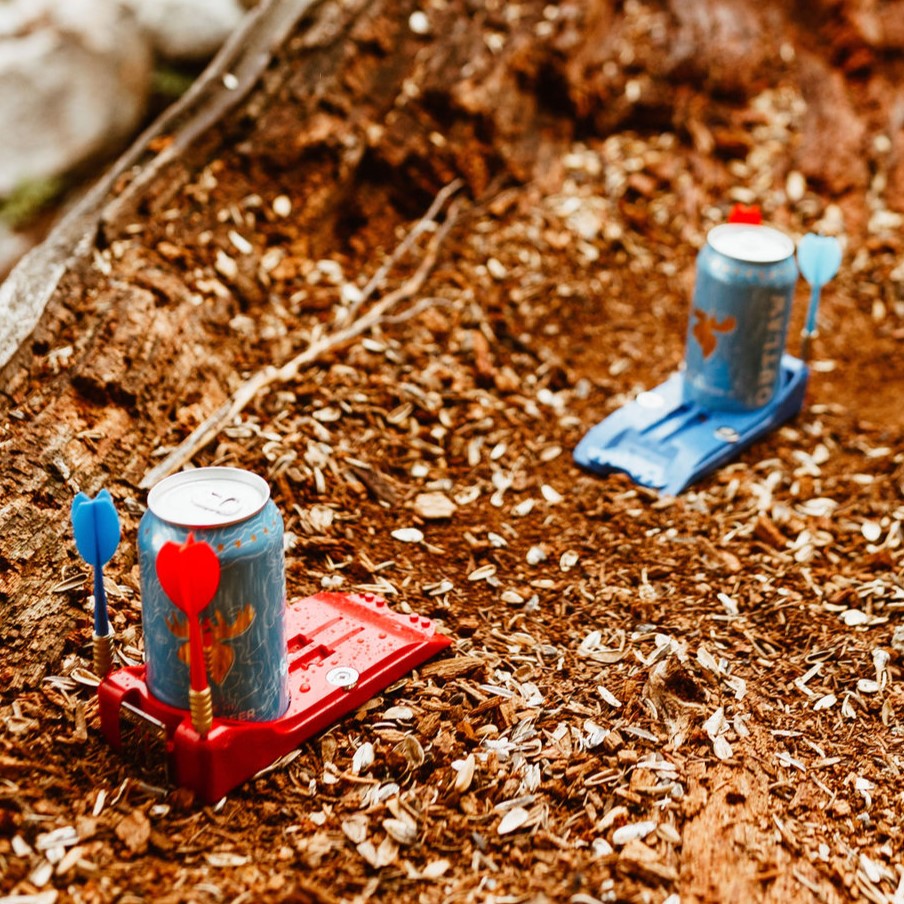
(647, 699)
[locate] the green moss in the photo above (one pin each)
(29, 198)
(169, 82)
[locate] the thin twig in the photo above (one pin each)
(210, 428)
(404, 246)
(375, 315)
(419, 308)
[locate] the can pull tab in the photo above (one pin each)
(220, 503)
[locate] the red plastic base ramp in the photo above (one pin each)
(343, 649)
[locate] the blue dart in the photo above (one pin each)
(819, 257)
(96, 528)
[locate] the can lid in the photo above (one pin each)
(753, 244)
(208, 497)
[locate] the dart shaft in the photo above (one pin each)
(813, 310)
(101, 621)
(198, 674)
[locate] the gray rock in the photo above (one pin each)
(12, 246)
(187, 29)
(74, 76)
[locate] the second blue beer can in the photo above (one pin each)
(243, 627)
(745, 280)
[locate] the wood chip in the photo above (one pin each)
(482, 573)
(226, 859)
(513, 820)
(452, 668)
(363, 758)
(464, 774)
(436, 869)
(434, 506)
(355, 828)
(134, 831)
(632, 831)
(401, 830)
(379, 857)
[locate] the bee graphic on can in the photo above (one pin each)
(216, 631)
(705, 328)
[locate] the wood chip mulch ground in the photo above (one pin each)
(647, 699)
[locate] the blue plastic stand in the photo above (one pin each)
(663, 442)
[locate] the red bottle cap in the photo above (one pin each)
(744, 213)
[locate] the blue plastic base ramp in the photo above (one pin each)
(661, 441)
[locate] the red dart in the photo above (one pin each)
(190, 575)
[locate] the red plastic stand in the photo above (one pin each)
(343, 649)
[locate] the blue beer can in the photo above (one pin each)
(243, 627)
(744, 287)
